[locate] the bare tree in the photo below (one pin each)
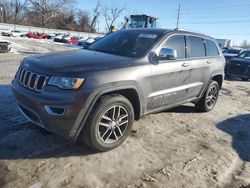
(111, 14)
(19, 8)
(48, 9)
(57, 14)
(83, 21)
(13, 11)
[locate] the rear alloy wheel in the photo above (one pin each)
(209, 99)
(109, 123)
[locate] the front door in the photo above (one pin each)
(170, 79)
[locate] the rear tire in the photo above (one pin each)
(109, 123)
(209, 99)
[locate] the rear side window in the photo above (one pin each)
(212, 49)
(176, 43)
(195, 47)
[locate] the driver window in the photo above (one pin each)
(176, 43)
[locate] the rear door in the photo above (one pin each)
(202, 65)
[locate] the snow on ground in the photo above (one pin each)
(31, 46)
(175, 148)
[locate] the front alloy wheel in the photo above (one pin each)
(109, 123)
(113, 124)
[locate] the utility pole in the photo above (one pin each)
(1, 11)
(178, 16)
(98, 27)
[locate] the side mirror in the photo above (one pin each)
(167, 54)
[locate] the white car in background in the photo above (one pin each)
(85, 42)
(13, 33)
(58, 38)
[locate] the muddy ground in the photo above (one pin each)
(175, 148)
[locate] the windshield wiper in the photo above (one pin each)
(99, 50)
(112, 51)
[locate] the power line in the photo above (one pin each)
(214, 17)
(211, 12)
(217, 7)
(218, 22)
(231, 34)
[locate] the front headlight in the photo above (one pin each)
(66, 83)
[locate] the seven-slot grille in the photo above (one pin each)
(31, 80)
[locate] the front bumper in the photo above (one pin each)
(34, 105)
(240, 74)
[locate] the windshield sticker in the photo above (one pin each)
(151, 36)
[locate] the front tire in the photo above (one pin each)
(209, 99)
(109, 123)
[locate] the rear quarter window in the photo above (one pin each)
(195, 47)
(212, 49)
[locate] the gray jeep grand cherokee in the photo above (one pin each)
(96, 94)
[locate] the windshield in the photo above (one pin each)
(245, 54)
(129, 43)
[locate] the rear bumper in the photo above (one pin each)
(65, 121)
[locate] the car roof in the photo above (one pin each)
(156, 30)
(162, 31)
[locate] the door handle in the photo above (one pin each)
(209, 62)
(185, 64)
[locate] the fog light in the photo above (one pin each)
(55, 111)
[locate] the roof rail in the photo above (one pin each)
(181, 29)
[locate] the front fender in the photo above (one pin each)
(95, 94)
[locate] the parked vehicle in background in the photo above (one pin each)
(58, 38)
(52, 35)
(239, 66)
(36, 35)
(13, 33)
(96, 94)
(70, 40)
(232, 52)
(5, 46)
(140, 21)
(84, 43)
(6, 33)
(228, 43)
(224, 49)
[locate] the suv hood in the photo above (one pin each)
(230, 55)
(74, 62)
